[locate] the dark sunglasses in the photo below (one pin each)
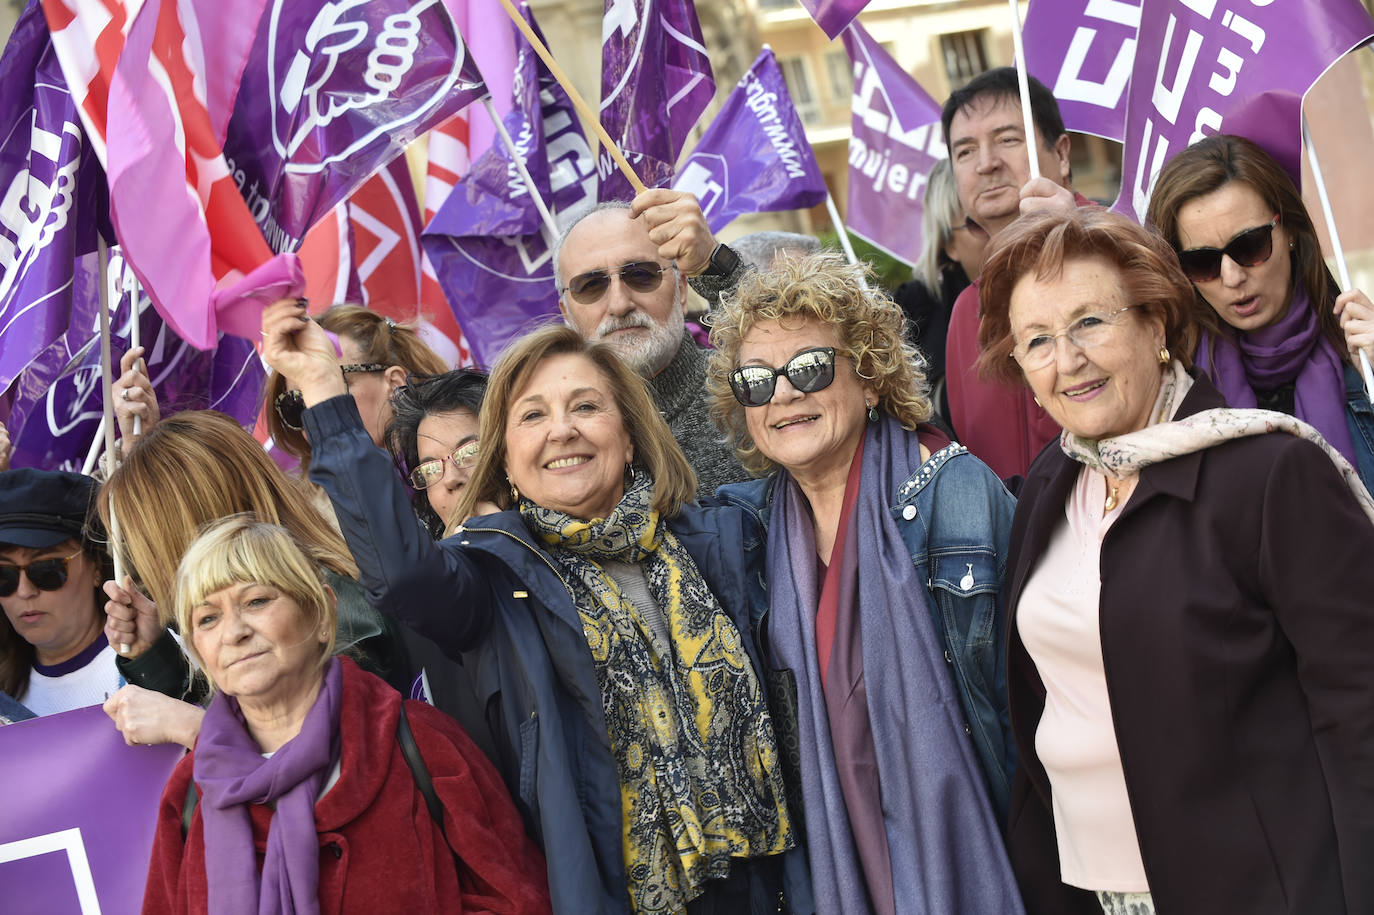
(809, 371)
(427, 473)
(1248, 249)
(291, 405)
(45, 574)
(640, 276)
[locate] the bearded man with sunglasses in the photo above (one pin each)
(623, 272)
(53, 653)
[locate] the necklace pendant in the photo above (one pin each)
(1111, 501)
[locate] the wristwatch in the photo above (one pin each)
(724, 261)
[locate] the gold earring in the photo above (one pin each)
(1037, 401)
(514, 493)
(1164, 355)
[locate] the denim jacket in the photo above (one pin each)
(955, 516)
(1359, 417)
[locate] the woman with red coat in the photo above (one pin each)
(304, 799)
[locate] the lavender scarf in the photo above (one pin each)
(232, 774)
(945, 848)
(1292, 350)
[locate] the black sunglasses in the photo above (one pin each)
(809, 371)
(290, 405)
(640, 276)
(45, 574)
(1248, 249)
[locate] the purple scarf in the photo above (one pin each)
(946, 850)
(231, 773)
(1291, 350)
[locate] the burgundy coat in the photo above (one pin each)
(1237, 620)
(380, 851)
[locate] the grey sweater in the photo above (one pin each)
(680, 392)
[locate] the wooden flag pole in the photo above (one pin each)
(550, 227)
(840, 230)
(574, 96)
(1342, 270)
(1027, 120)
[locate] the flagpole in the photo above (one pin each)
(107, 384)
(839, 228)
(550, 226)
(583, 109)
(1336, 249)
(1027, 120)
(93, 454)
(135, 340)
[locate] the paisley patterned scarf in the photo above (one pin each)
(699, 775)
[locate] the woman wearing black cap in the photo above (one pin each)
(53, 653)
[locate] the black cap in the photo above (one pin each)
(42, 508)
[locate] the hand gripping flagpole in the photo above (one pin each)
(1027, 120)
(1336, 249)
(840, 230)
(550, 227)
(583, 110)
(107, 384)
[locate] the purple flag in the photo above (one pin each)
(1203, 68)
(655, 83)
(1084, 51)
(50, 196)
(80, 814)
(754, 157)
(487, 242)
(57, 401)
(833, 15)
(896, 141)
(334, 91)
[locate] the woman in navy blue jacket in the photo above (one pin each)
(604, 617)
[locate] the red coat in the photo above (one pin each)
(380, 851)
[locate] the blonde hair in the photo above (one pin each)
(191, 469)
(868, 325)
(655, 449)
(379, 340)
(240, 550)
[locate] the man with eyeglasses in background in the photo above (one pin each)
(986, 136)
(623, 271)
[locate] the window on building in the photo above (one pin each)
(776, 4)
(965, 55)
(797, 72)
(840, 71)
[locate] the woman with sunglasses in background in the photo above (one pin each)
(53, 652)
(1275, 333)
(433, 434)
(884, 617)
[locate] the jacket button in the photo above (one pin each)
(968, 730)
(909, 513)
(335, 850)
(949, 658)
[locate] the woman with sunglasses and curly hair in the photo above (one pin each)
(53, 653)
(1276, 333)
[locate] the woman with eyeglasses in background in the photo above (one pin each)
(433, 434)
(883, 622)
(1276, 333)
(53, 652)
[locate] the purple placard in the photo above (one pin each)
(50, 193)
(895, 142)
(1206, 67)
(1084, 51)
(331, 93)
(754, 157)
(80, 813)
(655, 82)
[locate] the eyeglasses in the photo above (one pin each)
(809, 371)
(1085, 332)
(1248, 249)
(44, 574)
(427, 473)
(290, 405)
(640, 276)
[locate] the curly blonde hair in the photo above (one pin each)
(868, 325)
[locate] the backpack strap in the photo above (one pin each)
(423, 781)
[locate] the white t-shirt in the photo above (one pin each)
(89, 678)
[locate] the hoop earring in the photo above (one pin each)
(1164, 355)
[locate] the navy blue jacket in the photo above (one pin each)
(492, 596)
